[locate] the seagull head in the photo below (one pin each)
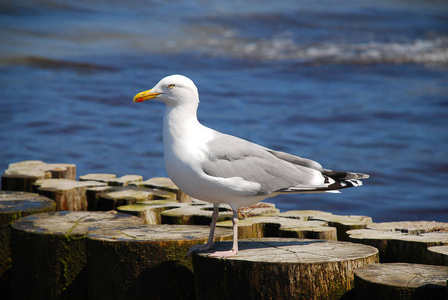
(173, 90)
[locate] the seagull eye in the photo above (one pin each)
(171, 86)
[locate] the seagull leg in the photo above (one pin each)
(234, 251)
(211, 236)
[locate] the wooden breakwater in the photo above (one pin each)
(103, 237)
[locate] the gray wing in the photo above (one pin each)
(276, 172)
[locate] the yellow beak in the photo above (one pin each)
(143, 96)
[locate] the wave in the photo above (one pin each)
(419, 51)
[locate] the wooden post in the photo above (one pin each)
(144, 262)
(21, 176)
(200, 212)
(275, 268)
(341, 223)
(273, 226)
(70, 195)
(111, 179)
(92, 196)
(13, 206)
(400, 281)
(49, 252)
(150, 211)
(118, 196)
(403, 241)
(165, 184)
(196, 212)
(438, 255)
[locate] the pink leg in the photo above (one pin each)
(234, 250)
(211, 236)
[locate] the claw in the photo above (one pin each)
(199, 248)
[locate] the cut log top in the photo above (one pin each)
(438, 255)
(158, 233)
(165, 184)
(420, 231)
(274, 226)
(197, 208)
(22, 202)
(140, 194)
(200, 208)
(73, 223)
(162, 183)
(442, 250)
(42, 170)
(149, 205)
(281, 268)
(284, 223)
(300, 251)
(196, 212)
(411, 227)
(431, 237)
(258, 209)
(327, 217)
(403, 275)
(64, 184)
(111, 179)
(341, 223)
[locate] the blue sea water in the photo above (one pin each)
(356, 86)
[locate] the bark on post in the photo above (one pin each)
(13, 206)
(144, 262)
(400, 281)
(49, 252)
(281, 269)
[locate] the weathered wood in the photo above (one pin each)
(341, 223)
(403, 241)
(111, 179)
(92, 196)
(150, 211)
(116, 196)
(165, 184)
(68, 194)
(13, 206)
(144, 262)
(400, 281)
(258, 209)
(21, 176)
(200, 212)
(196, 212)
(274, 226)
(277, 268)
(411, 227)
(438, 255)
(49, 252)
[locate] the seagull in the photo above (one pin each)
(221, 168)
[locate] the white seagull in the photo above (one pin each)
(220, 168)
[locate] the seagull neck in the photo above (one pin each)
(180, 120)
